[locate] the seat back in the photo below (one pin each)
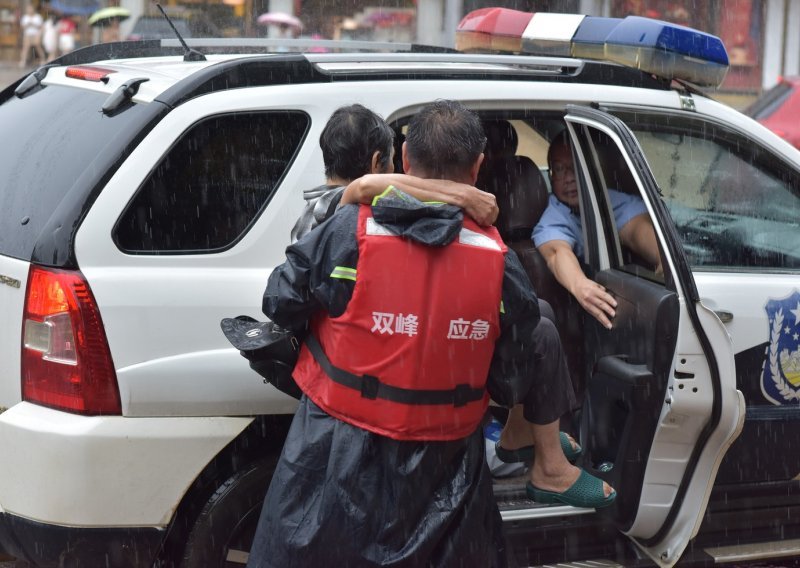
(522, 195)
(521, 192)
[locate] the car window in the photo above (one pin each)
(212, 184)
(769, 102)
(619, 201)
(735, 204)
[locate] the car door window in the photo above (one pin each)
(212, 184)
(735, 204)
(618, 202)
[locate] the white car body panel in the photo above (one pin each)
(112, 466)
(722, 291)
(14, 275)
(683, 417)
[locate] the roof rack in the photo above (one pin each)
(409, 62)
(297, 68)
(171, 47)
(306, 45)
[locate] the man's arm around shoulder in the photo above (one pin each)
(479, 205)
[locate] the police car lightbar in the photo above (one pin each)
(666, 50)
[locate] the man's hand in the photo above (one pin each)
(479, 205)
(595, 300)
(592, 297)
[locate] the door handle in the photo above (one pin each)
(724, 316)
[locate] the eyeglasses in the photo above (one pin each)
(560, 170)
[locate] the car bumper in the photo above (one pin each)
(103, 472)
(48, 546)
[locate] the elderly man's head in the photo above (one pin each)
(445, 140)
(562, 170)
(356, 142)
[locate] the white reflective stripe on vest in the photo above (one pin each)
(466, 236)
(474, 239)
(376, 229)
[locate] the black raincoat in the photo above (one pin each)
(342, 496)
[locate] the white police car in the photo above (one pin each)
(147, 191)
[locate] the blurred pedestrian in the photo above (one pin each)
(31, 26)
(109, 31)
(50, 37)
(66, 35)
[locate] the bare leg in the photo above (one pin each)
(551, 470)
(26, 47)
(37, 47)
(517, 432)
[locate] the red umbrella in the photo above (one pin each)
(280, 19)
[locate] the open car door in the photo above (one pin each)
(661, 405)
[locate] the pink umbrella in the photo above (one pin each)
(280, 19)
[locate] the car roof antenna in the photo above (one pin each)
(189, 54)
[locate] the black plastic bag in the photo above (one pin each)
(271, 350)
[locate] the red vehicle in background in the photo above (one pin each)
(779, 109)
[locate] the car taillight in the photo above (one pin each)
(66, 361)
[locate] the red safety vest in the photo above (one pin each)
(409, 357)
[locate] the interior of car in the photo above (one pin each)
(625, 370)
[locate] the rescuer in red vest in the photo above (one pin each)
(417, 316)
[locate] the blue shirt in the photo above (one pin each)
(559, 223)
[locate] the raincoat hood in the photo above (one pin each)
(429, 223)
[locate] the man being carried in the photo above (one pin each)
(358, 153)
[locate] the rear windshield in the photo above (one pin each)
(51, 139)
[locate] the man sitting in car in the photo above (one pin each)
(559, 234)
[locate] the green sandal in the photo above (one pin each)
(526, 453)
(587, 491)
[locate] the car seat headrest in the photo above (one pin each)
(501, 139)
(521, 201)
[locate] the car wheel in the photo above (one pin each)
(223, 532)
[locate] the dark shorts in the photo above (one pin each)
(551, 394)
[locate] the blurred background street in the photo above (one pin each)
(10, 72)
(758, 34)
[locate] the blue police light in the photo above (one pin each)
(589, 42)
(666, 50)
